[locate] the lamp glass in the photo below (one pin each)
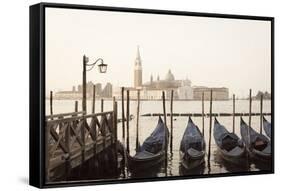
(102, 68)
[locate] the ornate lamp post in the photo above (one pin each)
(102, 69)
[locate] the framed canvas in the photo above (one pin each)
(123, 95)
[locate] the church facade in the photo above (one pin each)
(152, 89)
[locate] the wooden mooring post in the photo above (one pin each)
(51, 102)
(233, 114)
(137, 122)
(165, 124)
(127, 120)
(203, 115)
(76, 106)
(164, 108)
(171, 120)
(123, 113)
(261, 116)
(114, 127)
(94, 99)
(250, 108)
(115, 119)
(210, 127)
(101, 105)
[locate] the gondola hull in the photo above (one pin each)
(192, 149)
(250, 137)
(189, 162)
(237, 159)
(136, 164)
(233, 152)
(152, 151)
(259, 156)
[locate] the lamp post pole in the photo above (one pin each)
(102, 69)
(84, 97)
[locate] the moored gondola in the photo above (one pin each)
(257, 145)
(267, 127)
(192, 147)
(230, 147)
(152, 151)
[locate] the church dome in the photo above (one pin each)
(169, 76)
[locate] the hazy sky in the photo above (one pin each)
(212, 52)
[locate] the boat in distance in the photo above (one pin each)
(230, 147)
(153, 149)
(192, 147)
(257, 145)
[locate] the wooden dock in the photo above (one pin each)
(74, 138)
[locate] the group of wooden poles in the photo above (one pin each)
(127, 118)
(171, 116)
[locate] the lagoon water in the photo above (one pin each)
(147, 125)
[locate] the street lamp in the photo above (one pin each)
(102, 69)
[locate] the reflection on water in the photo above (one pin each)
(147, 125)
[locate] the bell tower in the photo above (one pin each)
(138, 70)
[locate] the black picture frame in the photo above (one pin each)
(37, 92)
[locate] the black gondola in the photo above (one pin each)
(257, 145)
(267, 127)
(230, 147)
(152, 151)
(192, 147)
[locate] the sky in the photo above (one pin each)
(213, 52)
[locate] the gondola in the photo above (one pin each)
(192, 147)
(267, 127)
(230, 147)
(257, 145)
(152, 151)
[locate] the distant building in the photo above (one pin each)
(185, 92)
(265, 95)
(68, 95)
(80, 88)
(218, 93)
(138, 71)
(107, 91)
(144, 94)
(182, 88)
(98, 89)
(153, 89)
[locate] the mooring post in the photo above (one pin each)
(82, 129)
(261, 115)
(250, 109)
(127, 120)
(114, 128)
(171, 120)
(51, 103)
(47, 154)
(101, 105)
(203, 115)
(123, 114)
(67, 144)
(113, 119)
(164, 108)
(165, 123)
(116, 114)
(210, 129)
(94, 99)
(76, 106)
(137, 125)
(233, 114)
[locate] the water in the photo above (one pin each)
(147, 125)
